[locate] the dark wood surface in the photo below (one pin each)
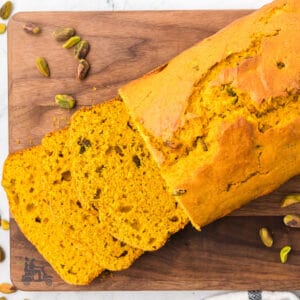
(226, 254)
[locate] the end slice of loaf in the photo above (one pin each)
(52, 237)
(222, 118)
(84, 224)
(115, 174)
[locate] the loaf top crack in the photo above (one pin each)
(211, 115)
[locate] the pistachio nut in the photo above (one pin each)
(6, 9)
(290, 200)
(42, 66)
(2, 28)
(179, 192)
(83, 143)
(284, 253)
(82, 69)
(172, 145)
(200, 140)
(65, 101)
(136, 161)
(31, 28)
(292, 221)
(280, 65)
(7, 288)
(81, 50)
(266, 237)
(71, 42)
(2, 255)
(63, 33)
(4, 224)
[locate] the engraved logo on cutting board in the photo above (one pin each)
(35, 272)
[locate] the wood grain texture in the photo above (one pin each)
(125, 45)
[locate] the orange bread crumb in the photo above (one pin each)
(52, 237)
(222, 118)
(65, 205)
(114, 173)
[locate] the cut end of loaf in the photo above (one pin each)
(212, 114)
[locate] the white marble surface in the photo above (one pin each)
(43, 5)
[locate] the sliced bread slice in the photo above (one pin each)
(52, 237)
(115, 174)
(65, 204)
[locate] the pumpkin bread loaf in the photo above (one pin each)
(52, 237)
(115, 174)
(222, 119)
(65, 205)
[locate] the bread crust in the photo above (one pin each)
(248, 151)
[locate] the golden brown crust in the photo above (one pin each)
(159, 99)
(245, 133)
(242, 171)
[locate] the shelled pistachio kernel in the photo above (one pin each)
(2, 28)
(6, 10)
(82, 69)
(178, 192)
(7, 288)
(81, 50)
(292, 220)
(284, 253)
(71, 42)
(4, 224)
(42, 66)
(63, 33)
(65, 101)
(2, 255)
(31, 28)
(290, 200)
(266, 237)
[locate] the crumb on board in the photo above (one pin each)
(60, 121)
(106, 274)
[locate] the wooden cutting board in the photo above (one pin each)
(226, 254)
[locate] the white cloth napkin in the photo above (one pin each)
(255, 295)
